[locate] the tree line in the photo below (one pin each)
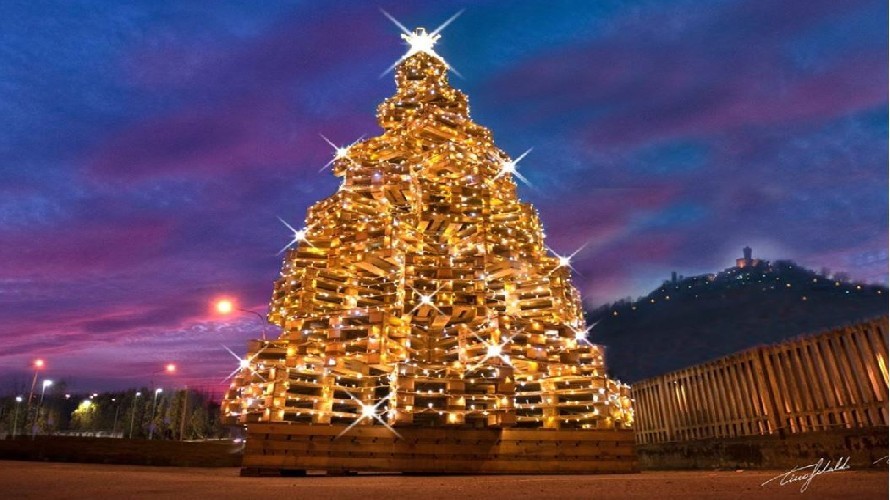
(142, 413)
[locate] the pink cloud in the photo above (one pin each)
(68, 251)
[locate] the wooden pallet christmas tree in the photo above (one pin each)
(421, 294)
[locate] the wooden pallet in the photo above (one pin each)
(293, 449)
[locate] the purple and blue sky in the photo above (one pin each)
(148, 146)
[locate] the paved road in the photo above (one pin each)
(53, 480)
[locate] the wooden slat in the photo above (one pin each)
(806, 384)
(374, 448)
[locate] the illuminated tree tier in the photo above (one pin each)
(422, 293)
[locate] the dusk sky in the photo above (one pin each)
(148, 148)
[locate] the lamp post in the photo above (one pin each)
(45, 384)
(15, 420)
(38, 365)
(117, 409)
(226, 307)
(133, 413)
(39, 410)
(185, 399)
(170, 369)
(154, 404)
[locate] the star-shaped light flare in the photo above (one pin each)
(566, 260)
(581, 335)
(340, 152)
(426, 299)
(420, 41)
(511, 167)
(369, 411)
(299, 235)
(491, 350)
(243, 363)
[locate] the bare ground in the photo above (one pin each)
(56, 480)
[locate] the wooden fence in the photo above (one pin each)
(834, 379)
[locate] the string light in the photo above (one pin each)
(426, 294)
(340, 152)
(299, 236)
(510, 167)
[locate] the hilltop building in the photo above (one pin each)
(747, 261)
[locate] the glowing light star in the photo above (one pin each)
(244, 363)
(421, 41)
(425, 299)
(369, 411)
(566, 260)
(493, 351)
(511, 167)
(299, 235)
(581, 335)
(340, 152)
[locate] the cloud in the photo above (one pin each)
(148, 150)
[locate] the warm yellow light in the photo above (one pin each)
(421, 41)
(369, 411)
(392, 290)
(225, 306)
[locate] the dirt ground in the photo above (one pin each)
(55, 480)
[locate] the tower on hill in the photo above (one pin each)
(746, 260)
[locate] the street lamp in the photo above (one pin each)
(15, 420)
(46, 383)
(38, 365)
(185, 399)
(117, 410)
(39, 410)
(133, 413)
(169, 368)
(154, 404)
(227, 306)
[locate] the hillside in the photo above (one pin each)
(691, 320)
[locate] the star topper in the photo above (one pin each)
(420, 41)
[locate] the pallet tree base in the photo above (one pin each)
(287, 449)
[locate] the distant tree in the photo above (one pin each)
(85, 416)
